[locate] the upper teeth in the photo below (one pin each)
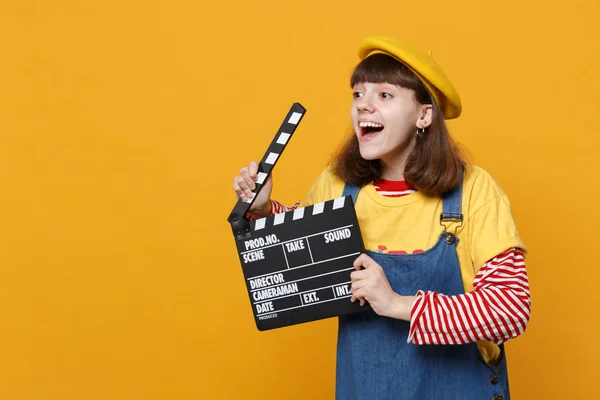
(370, 125)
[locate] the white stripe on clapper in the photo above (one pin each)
(283, 138)
(318, 208)
(294, 118)
(338, 203)
(272, 158)
(260, 224)
(279, 218)
(298, 213)
(261, 177)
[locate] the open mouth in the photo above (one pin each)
(369, 129)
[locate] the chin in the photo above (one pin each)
(369, 155)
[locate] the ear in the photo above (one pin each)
(425, 116)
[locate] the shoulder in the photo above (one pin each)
(490, 221)
(480, 188)
(327, 175)
(327, 186)
(330, 177)
(478, 178)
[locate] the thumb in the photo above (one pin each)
(253, 169)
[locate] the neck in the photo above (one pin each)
(391, 172)
(393, 165)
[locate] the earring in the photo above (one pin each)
(420, 132)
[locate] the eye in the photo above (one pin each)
(356, 95)
(386, 95)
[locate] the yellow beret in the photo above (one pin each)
(422, 65)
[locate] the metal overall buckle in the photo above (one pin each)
(451, 217)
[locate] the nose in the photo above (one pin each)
(364, 103)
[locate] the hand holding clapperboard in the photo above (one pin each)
(297, 264)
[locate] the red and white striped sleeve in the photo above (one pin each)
(496, 310)
(278, 208)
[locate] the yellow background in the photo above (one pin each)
(122, 124)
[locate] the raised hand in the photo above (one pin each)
(245, 183)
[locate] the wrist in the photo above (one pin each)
(401, 307)
(262, 211)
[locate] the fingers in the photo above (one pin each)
(358, 285)
(247, 183)
(244, 183)
(358, 291)
(359, 277)
(356, 276)
(250, 174)
(360, 296)
(363, 261)
(366, 276)
(253, 170)
(241, 187)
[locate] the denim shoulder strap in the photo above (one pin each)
(452, 205)
(351, 190)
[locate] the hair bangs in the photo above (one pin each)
(381, 68)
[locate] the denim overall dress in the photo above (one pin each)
(374, 360)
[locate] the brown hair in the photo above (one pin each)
(434, 166)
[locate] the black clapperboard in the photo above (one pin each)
(297, 264)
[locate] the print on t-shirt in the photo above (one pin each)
(383, 249)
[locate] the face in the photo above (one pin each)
(385, 118)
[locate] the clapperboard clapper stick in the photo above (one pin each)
(297, 264)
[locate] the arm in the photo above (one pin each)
(277, 207)
(263, 206)
(498, 307)
(274, 207)
(496, 310)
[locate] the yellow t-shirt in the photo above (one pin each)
(412, 223)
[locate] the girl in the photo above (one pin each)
(444, 275)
